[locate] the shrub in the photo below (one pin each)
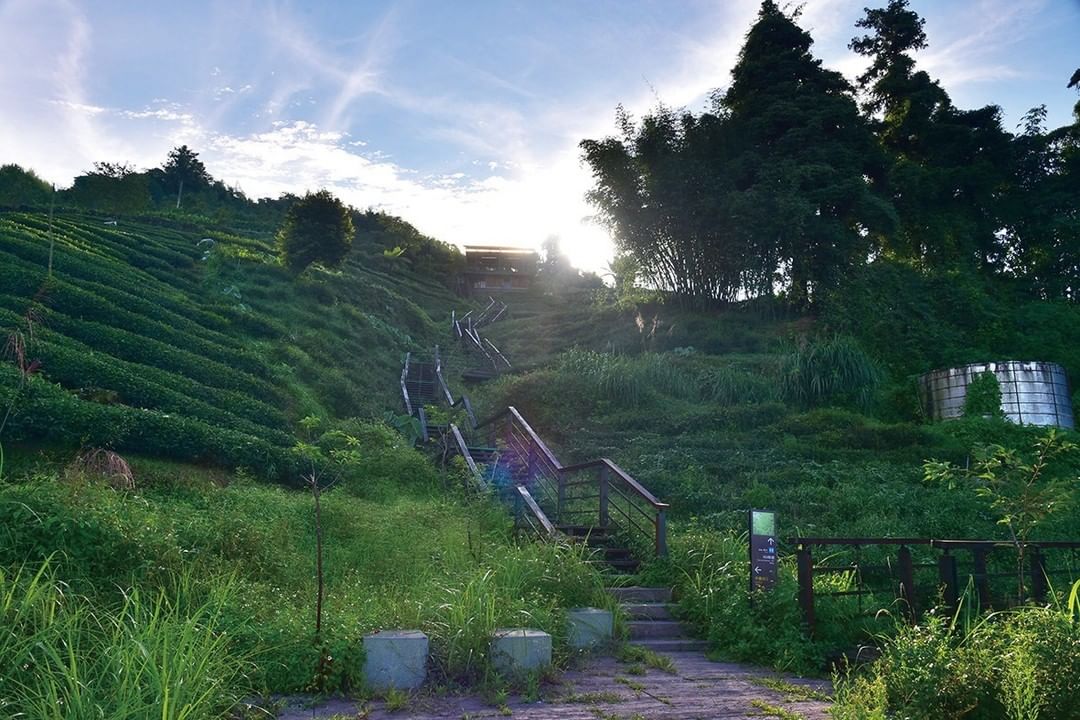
(983, 396)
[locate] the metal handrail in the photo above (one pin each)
(463, 448)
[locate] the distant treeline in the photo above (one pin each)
(183, 189)
(795, 176)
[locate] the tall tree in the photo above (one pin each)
(808, 165)
(662, 197)
(948, 167)
(317, 228)
(183, 170)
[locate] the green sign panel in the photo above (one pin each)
(763, 550)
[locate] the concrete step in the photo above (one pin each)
(589, 531)
(648, 611)
(658, 629)
(637, 594)
(663, 646)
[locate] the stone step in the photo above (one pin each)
(648, 611)
(663, 646)
(660, 629)
(637, 594)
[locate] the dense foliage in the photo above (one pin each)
(784, 186)
(317, 228)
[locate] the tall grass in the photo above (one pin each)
(527, 586)
(627, 380)
(828, 369)
(1019, 664)
(70, 657)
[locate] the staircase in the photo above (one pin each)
(596, 502)
(609, 551)
(651, 624)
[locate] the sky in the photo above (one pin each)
(463, 116)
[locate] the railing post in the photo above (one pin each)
(605, 478)
(947, 574)
(806, 586)
(907, 581)
(982, 581)
(661, 533)
(560, 479)
(1038, 575)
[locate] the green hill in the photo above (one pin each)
(191, 353)
(193, 344)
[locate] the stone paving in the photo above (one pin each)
(603, 688)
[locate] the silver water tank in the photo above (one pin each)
(1032, 393)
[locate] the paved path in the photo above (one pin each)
(606, 689)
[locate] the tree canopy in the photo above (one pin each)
(787, 183)
(317, 228)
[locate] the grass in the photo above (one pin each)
(180, 536)
(769, 710)
(650, 658)
(814, 418)
(791, 691)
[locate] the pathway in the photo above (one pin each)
(607, 689)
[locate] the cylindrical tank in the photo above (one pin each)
(1032, 393)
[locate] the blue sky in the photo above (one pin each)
(463, 117)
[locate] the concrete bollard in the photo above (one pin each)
(516, 650)
(395, 659)
(589, 626)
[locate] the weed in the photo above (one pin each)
(769, 710)
(396, 700)
(640, 654)
(592, 698)
(791, 691)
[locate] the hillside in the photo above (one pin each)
(814, 416)
(190, 343)
(180, 579)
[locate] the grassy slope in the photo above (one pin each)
(224, 349)
(710, 431)
(175, 352)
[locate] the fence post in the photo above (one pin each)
(605, 478)
(1038, 575)
(947, 573)
(982, 581)
(806, 586)
(907, 581)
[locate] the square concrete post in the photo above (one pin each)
(395, 659)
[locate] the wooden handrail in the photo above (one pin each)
(659, 521)
(534, 508)
(637, 487)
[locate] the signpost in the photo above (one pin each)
(762, 550)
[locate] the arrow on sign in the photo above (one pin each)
(771, 542)
(757, 569)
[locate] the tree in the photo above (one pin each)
(113, 187)
(948, 167)
(183, 169)
(19, 187)
(807, 167)
(317, 228)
